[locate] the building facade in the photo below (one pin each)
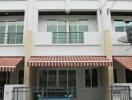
(70, 44)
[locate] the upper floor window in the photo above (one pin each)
(91, 78)
(122, 26)
(67, 31)
(11, 32)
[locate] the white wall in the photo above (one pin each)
(12, 5)
(68, 50)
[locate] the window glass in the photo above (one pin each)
(87, 78)
(61, 32)
(72, 78)
(91, 78)
(63, 78)
(2, 32)
(119, 25)
(115, 75)
(19, 34)
(62, 35)
(4, 78)
(83, 26)
(11, 32)
(21, 75)
(51, 26)
(20, 26)
(128, 24)
(73, 35)
(52, 78)
(43, 78)
(2, 27)
(94, 77)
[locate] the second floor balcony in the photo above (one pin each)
(68, 30)
(11, 38)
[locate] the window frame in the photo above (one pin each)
(6, 32)
(57, 78)
(124, 26)
(67, 25)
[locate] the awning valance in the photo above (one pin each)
(126, 61)
(68, 61)
(9, 63)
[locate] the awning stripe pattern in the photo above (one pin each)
(126, 61)
(68, 61)
(9, 63)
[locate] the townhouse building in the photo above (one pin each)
(71, 44)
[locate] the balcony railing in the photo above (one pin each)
(11, 38)
(68, 37)
(116, 92)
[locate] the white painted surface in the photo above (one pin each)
(11, 50)
(90, 38)
(12, 5)
(51, 5)
(8, 94)
(123, 50)
(68, 50)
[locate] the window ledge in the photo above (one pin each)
(67, 44)
(10, 45)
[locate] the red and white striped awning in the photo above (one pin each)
(9, 63)
(126, 61)
(68, 61)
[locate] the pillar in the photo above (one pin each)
(30, 27)
(107, 73)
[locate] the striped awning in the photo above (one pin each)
(9, 63)
(126, 61)
(68, 61)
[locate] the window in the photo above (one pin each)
(21, 76)
(57, 78)
(67, 31)
(52, 78)
(11, 32)
(63, 78)
(91, 78)
(115, 75)
(2, 32)
(58, 83)
(4, 78)
(122, 26)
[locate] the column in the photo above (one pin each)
(30, 28)
(107, 73)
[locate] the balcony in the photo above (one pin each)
(11, 38)
(68, 38)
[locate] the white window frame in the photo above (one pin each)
(67, 20)
(124, 23)
(6, 30)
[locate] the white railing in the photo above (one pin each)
(86, 38)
